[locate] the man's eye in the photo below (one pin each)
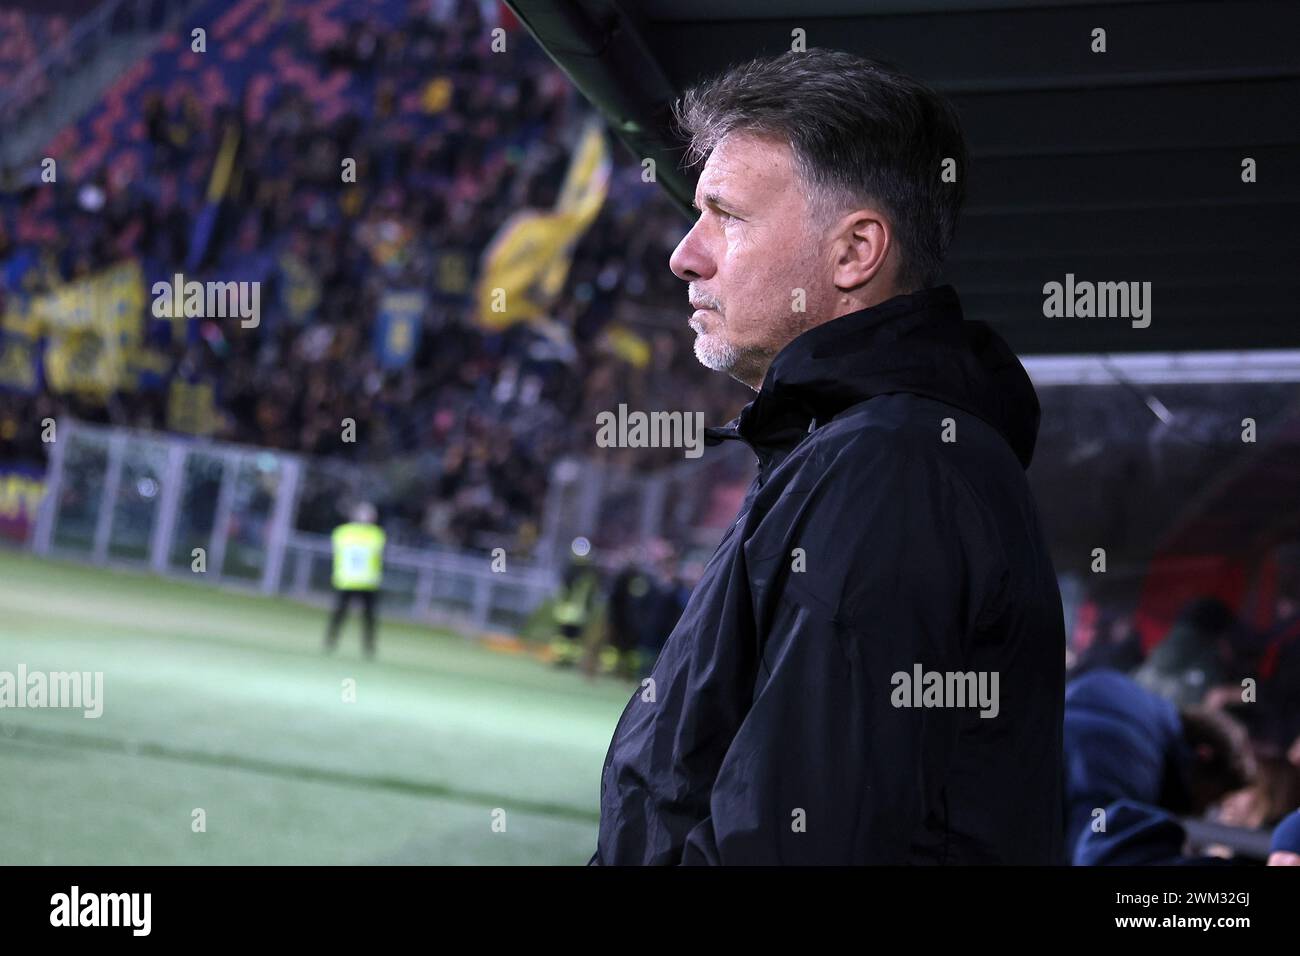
(725, 216)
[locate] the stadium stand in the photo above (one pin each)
(449, 142)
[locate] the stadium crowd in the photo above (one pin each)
(449, 141)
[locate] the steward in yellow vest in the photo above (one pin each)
(358, 570)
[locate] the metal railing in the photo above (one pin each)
(433, 585)
(225, 514)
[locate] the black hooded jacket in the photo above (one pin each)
(889, 533)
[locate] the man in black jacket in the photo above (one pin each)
(871, 669)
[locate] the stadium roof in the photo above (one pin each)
(1116, 166)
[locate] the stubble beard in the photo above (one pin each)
(714, 352)
(746, 365)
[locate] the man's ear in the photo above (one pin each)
(861, 244)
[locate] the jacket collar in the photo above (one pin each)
(918, 343)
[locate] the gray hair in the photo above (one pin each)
(860, 130)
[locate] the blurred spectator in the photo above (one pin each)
(1138, 834)
(1116, 647)
(1271, 795)
(575, 611)
(1193, 657)
(1284, 850)
(646, 597)
(1122, 742)
(630, 593)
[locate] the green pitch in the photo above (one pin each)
(225, 703)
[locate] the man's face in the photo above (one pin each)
(752, 247)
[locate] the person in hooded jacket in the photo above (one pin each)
(1125, 743)
(816, 701)
(1139, 834)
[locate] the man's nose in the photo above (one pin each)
(689, 261)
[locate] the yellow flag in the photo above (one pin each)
(525, 265)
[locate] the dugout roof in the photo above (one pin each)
(1122, 166)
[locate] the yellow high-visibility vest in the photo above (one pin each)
(358, 556)
(572, 607)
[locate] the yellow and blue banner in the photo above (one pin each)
(92, 327)
(397, 329)
(83, 337)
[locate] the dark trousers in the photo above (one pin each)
(341, 601)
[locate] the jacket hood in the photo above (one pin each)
(917, 343)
